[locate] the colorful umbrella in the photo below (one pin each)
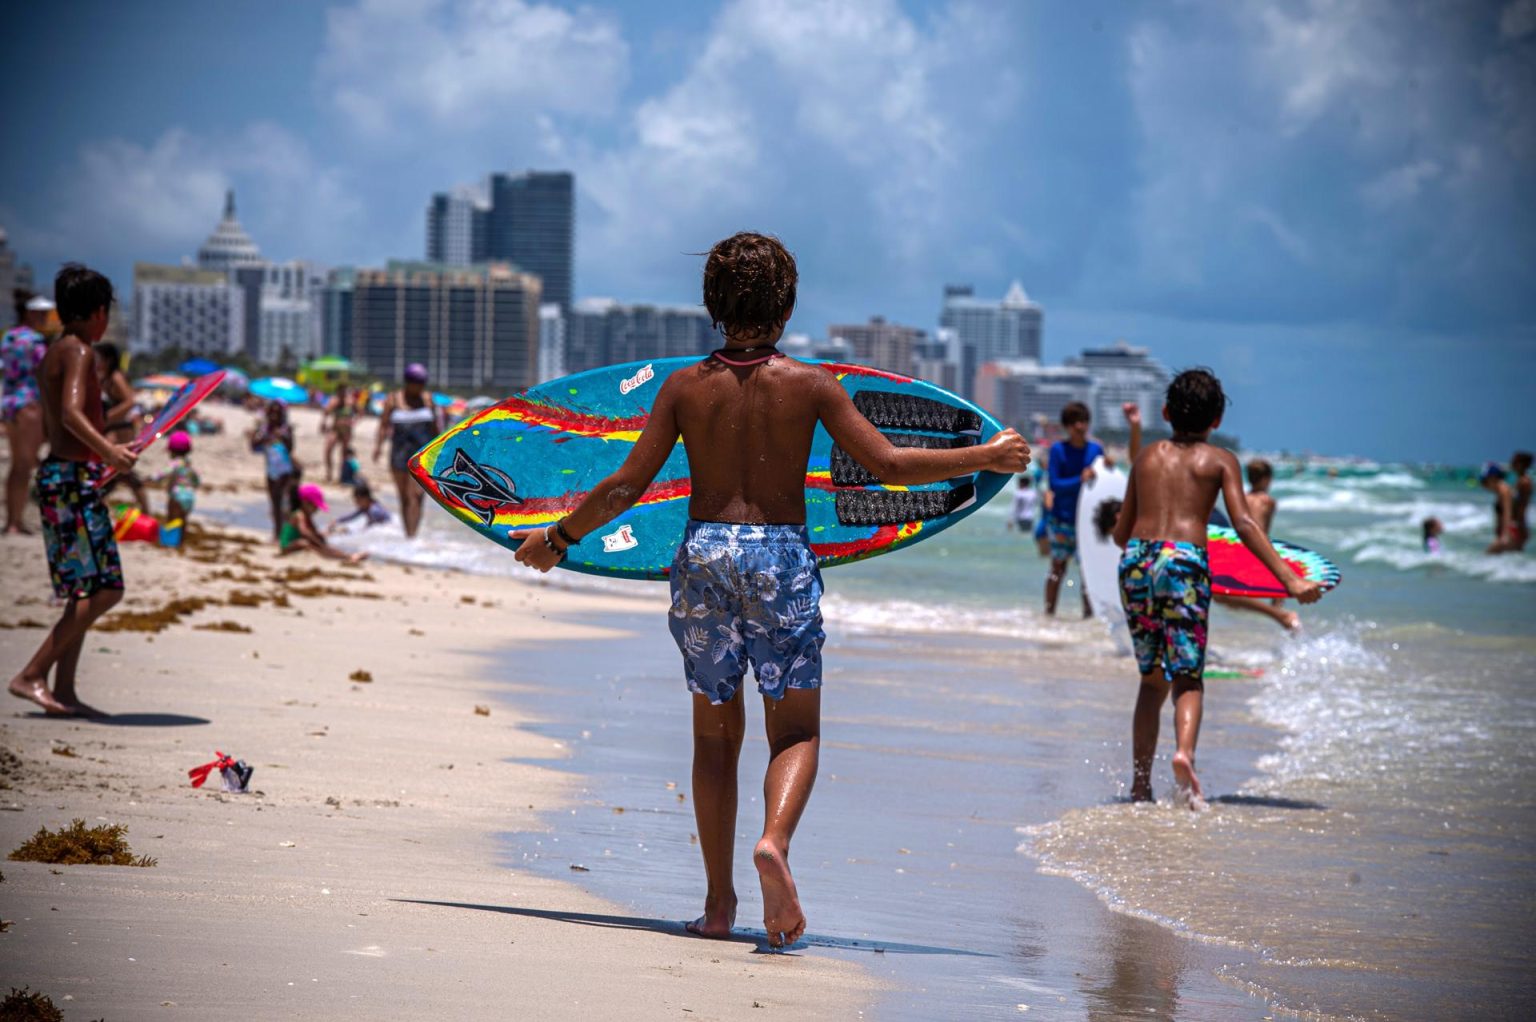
(279, 388)
(162, 381)
(198, 367)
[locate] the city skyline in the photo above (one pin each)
(1324, 203)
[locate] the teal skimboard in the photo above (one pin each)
(528, 461)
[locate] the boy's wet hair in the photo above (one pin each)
(1075, 411)
(749, 285)
(21, 296)
(1195, 401)
(1260, 471)
(1521, 462)
(1105, 516)
(79, 292)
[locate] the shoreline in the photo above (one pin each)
(361, 876)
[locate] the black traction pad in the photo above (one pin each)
(894, 507)
(847, 472)
(888, 410)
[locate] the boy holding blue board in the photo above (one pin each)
(745, 584)
(1165, 578)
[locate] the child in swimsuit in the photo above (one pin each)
(369, 512)
(299, 531)
(180, 478)
(274, 440)
(1165, 580)
(746, 590)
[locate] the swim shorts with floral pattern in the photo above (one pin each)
(1063, 538)
(747, 594)
(1166, 589)
(77, 530)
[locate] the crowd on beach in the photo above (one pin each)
(745, 589)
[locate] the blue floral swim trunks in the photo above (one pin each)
(1063, 538)
(1166, 589)
(77, 530)
(747, 594)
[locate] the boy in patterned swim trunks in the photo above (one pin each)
(77, 532)
(745, 587)
(1165, 582)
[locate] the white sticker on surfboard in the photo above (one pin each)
(621, 539)
(1098, 557)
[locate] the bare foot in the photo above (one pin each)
(37, 692)
(717, 920)
(17, 530)
(1188, 785)
(1141, 791)
(782, 916)
(1291, 622)
(358, 558)
(85, 710)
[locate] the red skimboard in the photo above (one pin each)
(176, 409)
(1235, 571)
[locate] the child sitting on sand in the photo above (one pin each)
(180, 478)
(1165, 580)
(745, 585)
(368, 514)
(299, 532)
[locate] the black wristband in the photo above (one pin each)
(560, 531)
(552, 547)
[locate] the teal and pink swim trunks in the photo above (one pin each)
(747, 594)
(77, 530)
(1166, 589)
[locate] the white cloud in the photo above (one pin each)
(124, 200)
(394, 67)
(1401, 183)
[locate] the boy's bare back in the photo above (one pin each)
(67, 377)
(1176, 483)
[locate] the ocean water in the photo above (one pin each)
(1368, 854)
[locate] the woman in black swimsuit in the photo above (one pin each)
(409, 421)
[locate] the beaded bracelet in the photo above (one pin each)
(551, 544)
(560, 531)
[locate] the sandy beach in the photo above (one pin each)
(361, 877)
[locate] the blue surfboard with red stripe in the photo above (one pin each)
(529, 460)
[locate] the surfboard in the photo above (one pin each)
(183, 401)
(1235, 571)
(527, 462)
(1098, 505)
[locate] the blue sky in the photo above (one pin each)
(1327, 201)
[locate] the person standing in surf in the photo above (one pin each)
(1165, 578)
(746, 590)
(1520, 500)
(409, 420)
(77, 531)
(1070, 464)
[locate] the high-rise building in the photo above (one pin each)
(601, 331)
(934, 360)
(471, 327)
(888, 346)
(804, 346)
(457, 227)
(991, 331)
(531, 224)
(228, 247)
(1122, 374)
(551, 342)
(13, 274)
(1022, 392)
(289, 328)
(191, 310)
(336, 312)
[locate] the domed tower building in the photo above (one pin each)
(228, 247)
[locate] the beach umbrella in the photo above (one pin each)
(160, 381)
(198, 367)
(279, 388)
(442, 400)
(329, 364)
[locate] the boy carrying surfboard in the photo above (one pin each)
(745, 586)
(1165, 578)
(77, 530)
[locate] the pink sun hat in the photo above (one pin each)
(179, 442)
(309, 493)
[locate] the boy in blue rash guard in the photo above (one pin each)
(745, 585)
(1165, 578)
(1070, 464)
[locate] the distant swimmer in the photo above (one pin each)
(77, 531)
(1260, 475)
(1519, 529)
(1165, 578)
(746, 590)
(1433, 527)
(1495, 480)
(1026, 504)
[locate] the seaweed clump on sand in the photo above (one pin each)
(23, 1006)
(154, 620)
(79, 845)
